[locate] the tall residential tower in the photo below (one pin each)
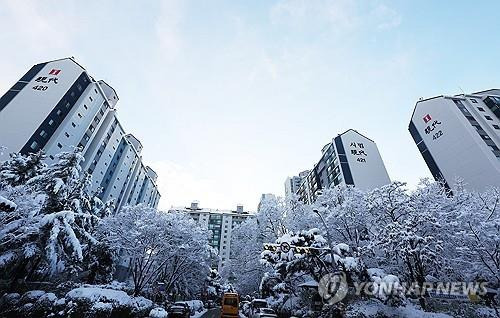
(57, 106)
(220, 223)
(349, 159)
(459, 138)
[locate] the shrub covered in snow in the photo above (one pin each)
(79, 302)
(158, 313)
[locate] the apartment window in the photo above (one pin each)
(51, 157)
(73, 124)
(51, 122)
(59, 145)
(34, 145)
(59, 112)
(72, 94)
(480, 109)
(85, 106)
(79, 115)
(66, 134)
(44, 134)
(95, 90)
(496, 126)
(488, 117)
(473, 101)
(90, 97)
(68, 105)
(79, 87)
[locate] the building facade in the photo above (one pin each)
(292, 184)
(459, 138)
(220, 223)
(349, 159)
(57, 106)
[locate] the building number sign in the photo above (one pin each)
(358, 150)
(41, 80)
(432, 127)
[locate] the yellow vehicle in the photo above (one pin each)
(230, 305)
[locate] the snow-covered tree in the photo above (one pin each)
(20, 249)
(344, 217)
(244, 268)
(274, 218)
(473, 242)
(159, 247)
(271, 218)
(21, 168)
(51, 231)
(411, 235)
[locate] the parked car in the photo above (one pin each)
(195, 306)
(265, 313)
(255, 305)
(179, 310)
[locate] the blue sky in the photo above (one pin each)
(230, 97)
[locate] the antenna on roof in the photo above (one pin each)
(463, 93)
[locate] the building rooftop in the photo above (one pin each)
(195, 208)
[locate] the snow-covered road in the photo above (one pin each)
(212, 313)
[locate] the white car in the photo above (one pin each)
(255, 305)
(264, 313)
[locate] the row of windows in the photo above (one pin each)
(42, 135)
(139, 177)
(112, 166)
(482, 133)
(493, 104)
(102, 147)
(127, 178)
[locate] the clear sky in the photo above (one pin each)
(230, 97)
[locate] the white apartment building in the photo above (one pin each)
(57, 106)
(459, 138)
(349, 159)
(292, 184)
(220, 223)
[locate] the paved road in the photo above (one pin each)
(215, 313)
(212, 313)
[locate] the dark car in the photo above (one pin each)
(179, 310)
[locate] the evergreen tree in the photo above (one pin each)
(20, 168)
(54, 235)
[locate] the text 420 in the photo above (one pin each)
(40, 88)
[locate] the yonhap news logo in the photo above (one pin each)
(333, 288)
